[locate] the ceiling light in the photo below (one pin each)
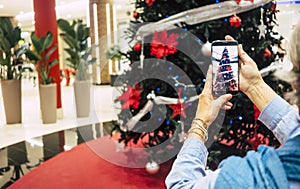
(1, 6)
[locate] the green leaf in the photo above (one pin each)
(52, 63)
(86, 33)
(33, 56)
(3, 61)
(4, 44)
(71, 65)
(80, 32)
(50, 52)
(71, 52)
(15, 37)
(48, 41)
(66, 27)
(70, 41)
(36, 43)
(6, 26)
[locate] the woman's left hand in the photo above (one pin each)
(208, 107)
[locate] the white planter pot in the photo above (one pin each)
(82, 98)
(11, 92)
(48, 103)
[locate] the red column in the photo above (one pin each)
(45, 20)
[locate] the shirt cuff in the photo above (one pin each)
(273, 112)
(195, 148)
(280, 117)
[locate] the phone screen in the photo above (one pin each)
(225, 67)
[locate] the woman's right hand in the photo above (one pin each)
(251, 82)
(248, 71)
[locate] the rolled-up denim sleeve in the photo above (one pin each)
(281, 118)
(188, 170)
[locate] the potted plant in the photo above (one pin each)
(80, 57)
(40, 55)
(11, 70)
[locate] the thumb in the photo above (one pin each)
(222, 100)
(244, 57)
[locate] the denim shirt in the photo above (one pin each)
(189, 171)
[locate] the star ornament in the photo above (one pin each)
(262, 30)
(178, 109)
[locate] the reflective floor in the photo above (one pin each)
(20, 158)
(25, 146)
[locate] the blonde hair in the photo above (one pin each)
(294, 55)
(294, 48)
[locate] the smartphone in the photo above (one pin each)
(224, 57)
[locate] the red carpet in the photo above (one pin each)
(82, 168)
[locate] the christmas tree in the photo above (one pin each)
(225, 80)
(169, 57)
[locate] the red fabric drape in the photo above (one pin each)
(81, 167)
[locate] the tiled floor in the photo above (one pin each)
(33, 142)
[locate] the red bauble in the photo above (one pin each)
(150, 2)
(137, 47)
(239, 1)
(267, 53)
(136, 15)
(235, 21)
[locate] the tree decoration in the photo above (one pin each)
(131, 97)
(239, 1)
(150, 2)
(192, 16)
(274, 9)
(235, 21)
(267, 53)
(135, 14)
(152, 167)
(168, 101)
(262, 27)
(182, 135)
(142, 56)
(206, 49)
(137, 47)
(163, 44)
(178, 109)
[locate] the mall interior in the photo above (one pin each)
(73, 150)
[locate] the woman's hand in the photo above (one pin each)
(248, 71)
(208, 107)
(251, 82)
